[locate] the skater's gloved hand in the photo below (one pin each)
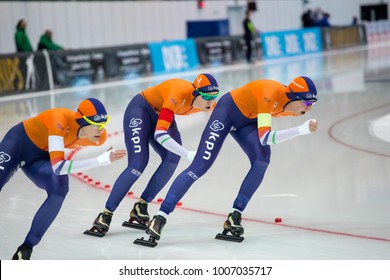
(191, 155)
(110, 156)
(117, 155)
(104, 158)
(310, 126)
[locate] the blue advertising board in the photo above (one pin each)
(291, 42)
(174, 56)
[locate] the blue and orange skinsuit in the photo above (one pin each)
(246, 114)
(36, 145)
(150, 119)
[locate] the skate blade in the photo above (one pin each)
(147, 243)
(134, 225)
(94, 232)
(226, 237)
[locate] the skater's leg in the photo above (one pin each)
(225, 117)
(11, 153)
(210, 144)
(164, 172)
(37, 167)
(161, 176)
(41, 173)
(213, 136)
(138, 127)
(138, 124)
(259, 157)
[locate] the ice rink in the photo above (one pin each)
(331, 189)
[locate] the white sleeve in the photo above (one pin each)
(170, 144)
(74, 166)
(278, 136)
(273, 137)
(63, 167)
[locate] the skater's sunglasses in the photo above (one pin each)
(100, 125)
(305, 103)
(207, 96)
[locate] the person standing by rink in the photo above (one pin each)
(249, 35)
(37, 145)
(150, 119)
(22, 42)
(246, 113)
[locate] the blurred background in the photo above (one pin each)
(46, 45)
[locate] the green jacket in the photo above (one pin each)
(22, 42)
(46, 43)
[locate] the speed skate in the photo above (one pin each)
(229, 237)
(151, 242)
(135, 223)
(94, 231)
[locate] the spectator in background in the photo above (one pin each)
(249, 35)
(46, 42)
(323, 21)
(307, 19)
(355, 21)
(22, 41)
(321, 18)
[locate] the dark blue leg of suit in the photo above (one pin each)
(11, 153)
(259, 157)
(164, 172)
(139, 124)
(56, 186)
(36, 165)
(225, 118)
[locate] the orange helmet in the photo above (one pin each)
(302, 88)
(93, 110)
(206, 83)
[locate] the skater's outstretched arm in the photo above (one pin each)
(272, 137)
(61, 166)
(162, 136)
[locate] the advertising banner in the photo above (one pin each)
(128, 61)
(239, 48)
(20, 73)
(291, 42)
(215, 51)
(72, 68)
(174, 56)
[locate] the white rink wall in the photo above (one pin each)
(91, 24)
